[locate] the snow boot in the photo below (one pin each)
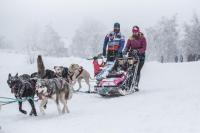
(137, 82)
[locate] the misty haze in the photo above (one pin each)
(118, 66)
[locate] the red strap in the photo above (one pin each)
(71, 76)
(79, 73)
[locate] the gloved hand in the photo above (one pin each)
(134, 52)
(118, 54)
(124, 52)
(104, 52)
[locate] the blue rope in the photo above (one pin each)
(74, 91)
(16, 100)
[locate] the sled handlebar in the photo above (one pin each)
(136, 55)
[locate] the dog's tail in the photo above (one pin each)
(0, 106)
(68, 92)
(92, 78)
(41, 68)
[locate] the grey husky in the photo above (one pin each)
(56, 89)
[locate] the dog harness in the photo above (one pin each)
(77, 75)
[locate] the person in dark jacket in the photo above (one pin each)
(97, 68)
(176, 59)
(181, 58)
(190, 57)
(162, 58)
(137, 45)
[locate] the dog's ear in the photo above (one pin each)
(16, 75)
(9, 75)
(54, 67)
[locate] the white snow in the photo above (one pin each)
(168, 102)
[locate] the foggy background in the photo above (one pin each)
(78, 27)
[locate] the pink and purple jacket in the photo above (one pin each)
(138, 44)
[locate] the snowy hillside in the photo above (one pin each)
(168, 102)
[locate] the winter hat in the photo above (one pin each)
(136, 29)
(95, 58)
(117, 25)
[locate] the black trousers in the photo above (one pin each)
(138, 72)
(141, 64)
(112, 54)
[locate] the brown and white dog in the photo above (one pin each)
(74, 72)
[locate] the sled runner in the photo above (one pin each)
(118, 78)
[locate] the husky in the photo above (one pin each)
(22, 89)
(41, 74)
(56, 89)
(74, 72)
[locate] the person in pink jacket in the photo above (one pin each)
(137, 45)
(97, 68)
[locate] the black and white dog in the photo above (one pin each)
(22, 89)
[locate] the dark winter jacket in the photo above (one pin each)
(176, 59)
(97, 68)
(181, 58)
(139, 44)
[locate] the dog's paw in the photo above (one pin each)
(68, 111)
(60, 113)
(31, 113)
(23, 111)
(42, 112)
(35, 113)
(63, 111)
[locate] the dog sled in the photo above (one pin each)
(118, 78)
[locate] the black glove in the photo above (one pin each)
(124, 52)
(134, 52)
(104, 52)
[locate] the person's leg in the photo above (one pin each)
(138, 74)
(111, 55)
(108, 55)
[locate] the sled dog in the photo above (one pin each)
(74, 72)
(56, 89)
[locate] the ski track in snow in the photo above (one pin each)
(169, 101)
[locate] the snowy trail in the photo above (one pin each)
(169, 101)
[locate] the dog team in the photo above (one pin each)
(47, 84)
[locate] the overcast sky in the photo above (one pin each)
(67, 15)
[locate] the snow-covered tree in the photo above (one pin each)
(89, 38)
(52, 41)
(2, 42)
(31, 37)
(162, 39)
(191, 40)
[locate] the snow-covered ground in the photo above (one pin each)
(168, 102)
